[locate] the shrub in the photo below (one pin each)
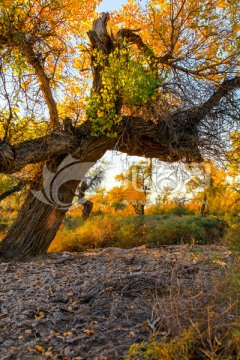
(188, 229)
(99, 231)
(126, 232)
(223, 344)
(73, 222)
(196, 329)
(180, 211)
(175, 349)
(232, 238)
(3, 226)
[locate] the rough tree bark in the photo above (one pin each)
(39, 225)
(38, 222)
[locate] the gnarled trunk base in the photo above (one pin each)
(36, 226)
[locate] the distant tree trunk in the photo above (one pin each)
(204, 209)
(87, 208)
(139, 208)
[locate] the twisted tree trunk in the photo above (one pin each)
(35, 227)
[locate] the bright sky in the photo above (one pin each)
(110, 5)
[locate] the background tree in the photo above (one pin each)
(216, 189)
(137, 182)
(91, 183)
(167, 92)
(117, 198)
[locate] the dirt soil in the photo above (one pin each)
(94, 305)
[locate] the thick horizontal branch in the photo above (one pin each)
(169, 140)
(15, 158)
(136, 136)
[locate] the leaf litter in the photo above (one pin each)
(95, 304)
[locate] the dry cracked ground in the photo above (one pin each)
(94, 305)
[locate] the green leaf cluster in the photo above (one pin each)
(126, 78)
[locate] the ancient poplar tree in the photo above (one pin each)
(160, 82)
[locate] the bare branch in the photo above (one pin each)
(35, 62)
(223, 90)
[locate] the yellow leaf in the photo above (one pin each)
(100, 113)
(39, 316)
(7, 2)
(69, 333)
(40, 348)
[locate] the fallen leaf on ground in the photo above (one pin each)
(68, 333)
(89, 332)
(39, 348)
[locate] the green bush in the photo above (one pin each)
(232, 238)
(127, 232)
(191, 345)
(73, 222)
(179, 211)
(187, 229)
(3, 226)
